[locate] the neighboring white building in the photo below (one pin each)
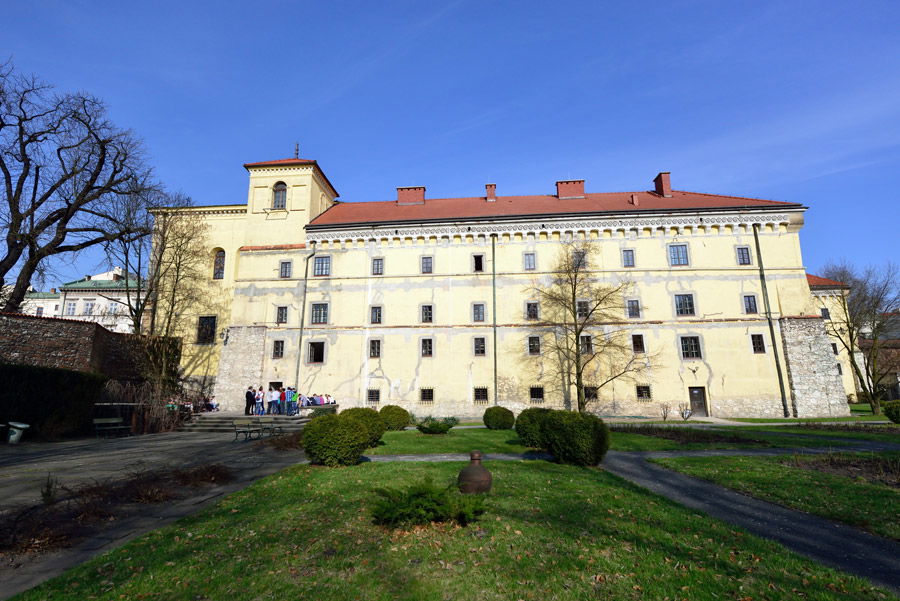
(99, 298)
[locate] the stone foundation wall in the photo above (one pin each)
(815, 386)
(240, 365)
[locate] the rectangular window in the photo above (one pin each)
(840, 369)
(278, 349)
(374, 349)
(743, 255)
(634, 308)
(70, 308)
(378, 266)
(113, 309)
(637, 343)
(427, 347)
(590, 393)
(536, 394)
(319, 313)
(834, 348)
(628, 257)
(373, 396)
(534, 345)
(480, 395)
(750, 304)
(528, 262)
(89, 307)
(427, 265)
(375, 314)
(759, 346)
(684, 304)
(579, 259)
(826, 314)
(531, 311)
(582, 309)
(427, 313)
(316, 352)
(477, 263)
(206, 329)
(479, 347)
(643, 393)
(678, 254)
(426, 395)
(586, 345)
(285, 269)
(281, 315)
(478, 312)
(322, 266)
(690, 347)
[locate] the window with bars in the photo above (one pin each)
(532, 310)
(582, 309)
(427, 265)
(628, 257)
(834, 348)
(279, 196)
(534, 345)
(373, 396)
(278, 349)
(590, 393)
(579, 259)
(536, 394)
(637, 343)
(427, 313)
(480, 395)
(743, 255)
(281, 314)
(375, 315)
(750, 304)
(427, 347)
(634, 308)
(678, 254)
(826, 314)
(478, 312)
(426, 395)
(643, 393)
(759, 345)
(840, 369)
(479, 347)
(378, 266)
(690, 347)
(684, 304)
(529, 262)
(219, 265)
(321, 266)
(206, 329)
(374, 349)
(586, 344)
(285, 268)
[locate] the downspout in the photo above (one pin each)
(767, 306)
(494, 308)
(303, 317)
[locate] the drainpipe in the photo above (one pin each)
(765, 293)
(494, 308)
(303, 318)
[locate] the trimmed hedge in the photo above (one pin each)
(575, 438)
(395, 417)
(529, 424)
(373, 422)
(335, 440)
(435, 425)
(499, 418)
(892, 411)
(320, 411)
(54, 402)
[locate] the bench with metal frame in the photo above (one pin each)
(248, 426)
(112, 425)
(270, 425)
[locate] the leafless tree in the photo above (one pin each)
(866, 311)
(65, 170)
(584, 341)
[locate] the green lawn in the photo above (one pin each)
(872, 507)
(878, 434)
(551, 532)
(853, 418)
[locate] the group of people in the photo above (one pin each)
(281, 401)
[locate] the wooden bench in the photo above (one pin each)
(270, 425)
(110, 424)
(248, 426)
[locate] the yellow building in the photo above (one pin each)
(427, 303)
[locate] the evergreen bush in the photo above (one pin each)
(395, 417)
(335, 440)
(892, 411)
(529, 424)
(499, 418)
(372, 420)
(320, 411)
(424, 503)
(434, 425)
(575, 438)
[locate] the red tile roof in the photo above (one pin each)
(449, 209)
(273, 247)
(815, 281)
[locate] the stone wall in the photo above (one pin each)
(815, 386)
(240, 365)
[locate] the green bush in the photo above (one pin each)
(434, 425)
(425, 503)
(499, 418)
(320, 411)
(575, 438)
(372, 420)
(395, 417)
(892, 411)
(529, 424)
(335, 440)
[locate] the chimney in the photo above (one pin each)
(87, 278)
(116, 277)
(634, 200)
(663, 185)
(490, 191)
(570, 188)
(411, 195)
(53, 291)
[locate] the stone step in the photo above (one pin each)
(205, 422)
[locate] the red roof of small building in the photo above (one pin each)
(815, 281)
(544, 205)
(292, 161)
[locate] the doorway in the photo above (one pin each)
(697, 395)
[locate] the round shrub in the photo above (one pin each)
(892, 411)
(335, 440)
(575, 438)
(320, 411)
(529, 424)
(395, 417)
(499, 418)
(372, 420)
(434, 425)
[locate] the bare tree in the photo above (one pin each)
(584, 340)
(65, 170)
(865, 312)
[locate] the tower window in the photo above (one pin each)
(279, 196)
(219, 265)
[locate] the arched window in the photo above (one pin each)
(279, 197)
(219, 265)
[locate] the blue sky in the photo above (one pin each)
(796, 101)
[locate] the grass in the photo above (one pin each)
(887, 433)
(791, 481)
(411, 442)
(551, 532)
(853, 418)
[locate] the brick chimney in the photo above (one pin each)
(411, 195)
(570, 188)
(490, 192)
(663, 185)
(53, 291)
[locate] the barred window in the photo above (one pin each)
(834, 348)
(532, 311)
(628, 257)
(373, 396)
(480, 394)
(750, 304)
(219, 265)
(322, 266)
(319, 313)
(759, 345)
(427, 264)
(278, 349)
(375, 314)
(586, 345)
(479, 347)
(427, 347)
(743, 255)
(637, 343)
(279, 196)
(826, 314)
(378, 266)
(206, 329)
(690, 347)
(536, 394)
(684, 304)
(643, 393)
(590, 393)
(374, 349)
(426, 395)
(678, 254)
(281, 314)
(579, 259)
(534, 345)
(582, 309)
(427, 313)
(528, 261)
(634, 308)
(285, 269)
(478, 312)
